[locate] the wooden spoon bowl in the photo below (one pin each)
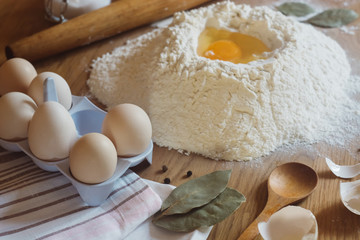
(293, 180)
(288, 183)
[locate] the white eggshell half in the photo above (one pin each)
(16, 111)
(129, 128)
(93, 159)
(62, 89)
(291, 222)
(350, 195)
(343, 171)
(52, 132)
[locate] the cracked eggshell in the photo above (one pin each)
(52, 132)
(350, 195)
(129, 128)
(16, 75)
(62, 89)
(16, 111)
(93, 158)
(291, 222)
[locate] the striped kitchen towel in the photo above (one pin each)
(35, 204)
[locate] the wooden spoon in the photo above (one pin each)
(288, 183)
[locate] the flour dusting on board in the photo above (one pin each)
(232, 111)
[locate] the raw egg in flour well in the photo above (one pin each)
(230, 46)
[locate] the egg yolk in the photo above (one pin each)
(220, 44)
(223, 50)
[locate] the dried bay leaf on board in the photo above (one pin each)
(195, 193)
(333, 18)
(207, 215)
(297, 9)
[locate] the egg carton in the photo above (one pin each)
(88, 118)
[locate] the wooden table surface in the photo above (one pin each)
(21, 18)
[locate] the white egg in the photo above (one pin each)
(129, 128)
(62, 89)
(16, 111)
(291, 222)
(52, 132)
(16, 75)
(93, 158)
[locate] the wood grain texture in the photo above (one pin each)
(22, 18)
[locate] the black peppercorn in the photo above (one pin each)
(167, 180)
(164, 168)
(189, 173)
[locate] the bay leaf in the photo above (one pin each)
(297, 9)
(215, 211)
(195, 193)
(333, 18)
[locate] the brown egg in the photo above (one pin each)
(62, 89)
(93, 159)
(52, 132)
(129, 128)
(16, 111)
(16, 75)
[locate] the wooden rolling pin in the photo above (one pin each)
(118, 17)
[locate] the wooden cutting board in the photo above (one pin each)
(22, 18)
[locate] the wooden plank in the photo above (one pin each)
(22, 18)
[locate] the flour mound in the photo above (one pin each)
(223, 110)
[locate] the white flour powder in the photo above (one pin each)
(223, 110)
